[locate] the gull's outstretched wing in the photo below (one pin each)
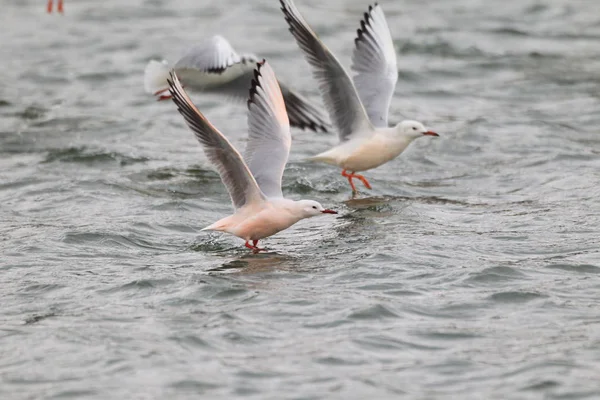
(269, 137)
(213, 55)
(236, 176)
(339, 94)
(374, 61)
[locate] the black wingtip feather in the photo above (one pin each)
(216, 70)
(255, 82)
(286, 13)
(302, 114)
(366, 21)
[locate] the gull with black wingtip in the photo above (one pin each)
(254, 181)
(357, 107)
(212, 65)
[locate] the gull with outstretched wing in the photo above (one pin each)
(254, 180)
(358, 107)
(214, 66)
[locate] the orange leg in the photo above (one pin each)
(59, 6)
(353, 175)
(363, 180)
(349, 176)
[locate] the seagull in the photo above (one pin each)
(213, 65)
(254, 181)
(357, 107)
(59, 6)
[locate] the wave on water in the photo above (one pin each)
(88, 156)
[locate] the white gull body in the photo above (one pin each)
(254, 181)
(213, 65)
(357, 107)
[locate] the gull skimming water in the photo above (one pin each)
(253, 182)
(213, 65)
(359, 109)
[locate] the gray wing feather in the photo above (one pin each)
(234, 173)
(339, 94)
(374, 61)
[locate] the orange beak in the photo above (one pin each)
(430, 133)
(329, 212)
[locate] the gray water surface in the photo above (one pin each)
(470, 271)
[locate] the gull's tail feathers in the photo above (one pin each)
(327, 157)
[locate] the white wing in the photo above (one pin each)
(374, 61)
(338, 91)
(214, 55)
(269, 138)
(236, 176)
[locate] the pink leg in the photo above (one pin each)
(163, 95)
(253, 246)
(255, 243)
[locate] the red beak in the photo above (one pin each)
(329, 212)
(430, 133)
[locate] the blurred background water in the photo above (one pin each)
(470, 271)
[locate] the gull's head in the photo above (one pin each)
(311, 208)
(413, 129)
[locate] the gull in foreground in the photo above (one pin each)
(253, 182)
(359, 109)
(213, 66)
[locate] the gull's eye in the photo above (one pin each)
(414, 128)
(315, 207)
